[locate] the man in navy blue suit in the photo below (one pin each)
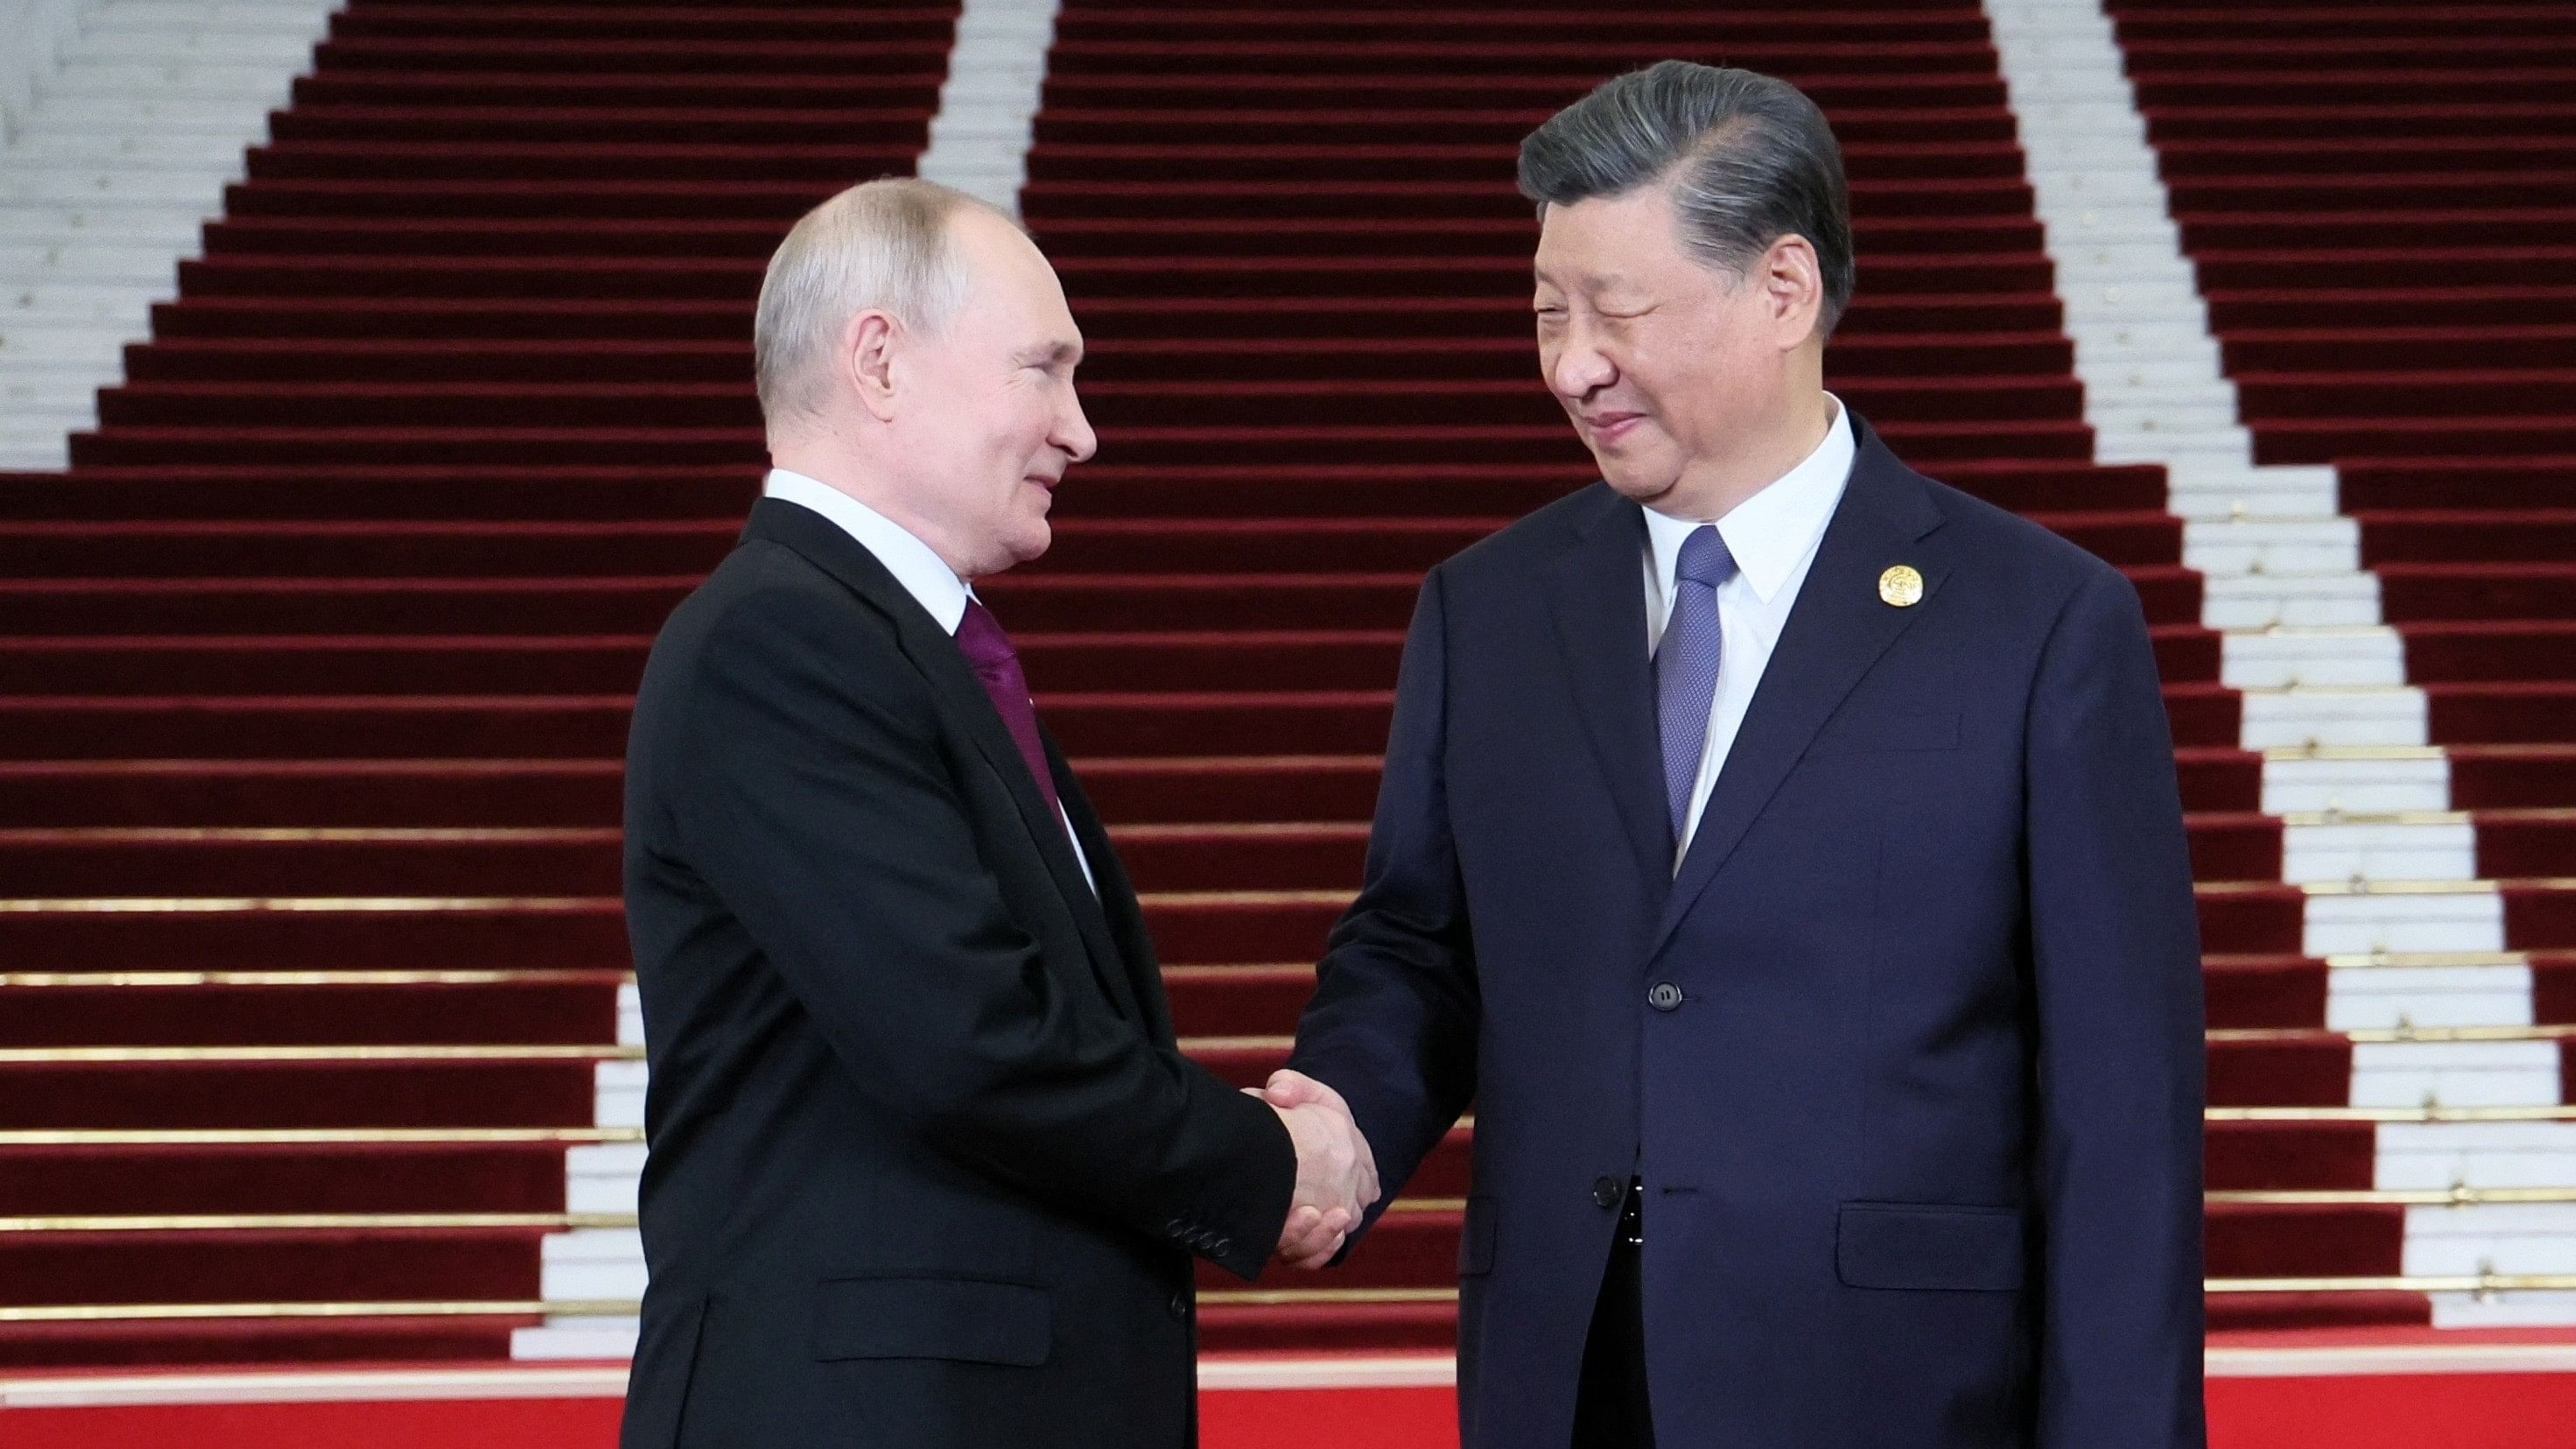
(1782, 853)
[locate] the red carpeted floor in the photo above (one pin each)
(318, 659)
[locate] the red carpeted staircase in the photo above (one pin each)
(2380, 199)
(317, 662)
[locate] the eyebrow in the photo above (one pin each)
(1052, 352)
(1589, 281)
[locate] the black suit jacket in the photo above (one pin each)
(925, 1162)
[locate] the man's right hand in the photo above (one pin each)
(1336, 1172)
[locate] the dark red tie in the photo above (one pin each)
(988, 652)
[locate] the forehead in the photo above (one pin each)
(1008, 277)
(1605, 241)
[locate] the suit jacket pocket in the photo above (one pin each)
(1476, 1238)
(1882, 727)
(1906, 1245)
(970, 1320)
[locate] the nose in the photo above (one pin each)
(1073, 432)
(1578, 367)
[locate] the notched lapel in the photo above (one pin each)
(1597, 591)
(1836, 631)
(961, 698)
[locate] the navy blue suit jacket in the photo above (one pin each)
(1921, 1140)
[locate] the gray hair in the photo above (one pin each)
(1750, 158)
(883, 244)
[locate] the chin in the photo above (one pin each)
(1640, 485)
(1030, 541)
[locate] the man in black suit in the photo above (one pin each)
(927, 1167)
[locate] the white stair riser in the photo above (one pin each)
(2455, 1074)
(2365, 998)
(2363, 925)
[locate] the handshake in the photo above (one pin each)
(1336, 1173)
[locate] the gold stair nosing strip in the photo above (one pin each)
(329, 1136)
(240, 905)
(2423, 959)
(305, 834)
(2558, 1113)
(2314, 819)
(126, 1312)
(2487, 1283)
(311, 1136)
(1425, 1206)
(2385, 1035)
(309, 1222)
(2390, 1196)
(39, 980)
(39, 1056)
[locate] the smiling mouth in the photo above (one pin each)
(1611, 427)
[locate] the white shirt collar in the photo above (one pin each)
(922, 572)
(1773, 531)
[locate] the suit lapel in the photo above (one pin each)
(1836, 630)
(962, 702)
(1597, 590)
(1115, 903)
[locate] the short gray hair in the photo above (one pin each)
(1750, 158)
(882, 244)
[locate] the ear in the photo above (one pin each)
(869, 343)
(1793, 289)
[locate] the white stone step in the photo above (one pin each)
(74, 185)
(602, 1177)
(77, 303)
(618, 1094)
(2389, 997)
(2503, 1310)
(2519, 1237)
(575, 1338)
(2455, 1074)
(199, 80)
(2439, 916)
(196, 152)
(273, 49)
(2287, 658)
(32, 450)
(591, 1264)
(630, 1015)
(2317, 848)
(2416, 1156)
(2221, 492)
(84, 259)
(83, 348)
(2272, 546)
(2263, 601)
(2373, 784)
(2325, 715)
(171, 233)
(153, 113)
(2176, 375)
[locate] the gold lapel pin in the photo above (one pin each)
(1901, 586)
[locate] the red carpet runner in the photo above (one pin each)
(318, 660)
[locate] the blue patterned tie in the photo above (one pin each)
(1686, 664)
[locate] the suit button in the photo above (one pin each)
(1605, 1191)
(1180, 1304)
(1664, 996)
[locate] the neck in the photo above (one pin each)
(1710, 490)
(828, 462)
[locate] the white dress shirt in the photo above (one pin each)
(921, 571)
(1773, 535)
